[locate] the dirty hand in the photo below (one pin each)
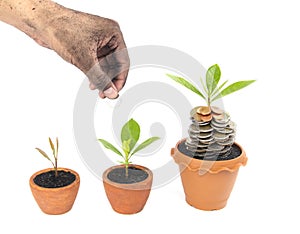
(93, 44)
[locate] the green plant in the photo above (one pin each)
(130, 135)
(212, 91)
(54, 152)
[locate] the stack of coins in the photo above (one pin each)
(211, 133)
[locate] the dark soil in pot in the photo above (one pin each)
(234, 153)
(48, 179)
(135, 175)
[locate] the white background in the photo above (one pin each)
(249, 40)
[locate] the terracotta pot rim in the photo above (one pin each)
(206, 165)
(34, 185)
(143, 183)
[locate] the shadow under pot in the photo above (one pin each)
(207, 184)
(55, 195)
(128, 191)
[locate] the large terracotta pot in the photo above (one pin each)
(127, 198)
(207, 184)
(55, 201)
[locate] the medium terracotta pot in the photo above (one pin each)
(55, 201)
(207, 184)
(127, 198)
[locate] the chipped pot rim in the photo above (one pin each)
(204, 166)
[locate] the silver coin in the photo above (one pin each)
(199, 123)
(202, 145)
(206, 128)
(207, 140)
(228, 142)
(220, 136)
(191, 141)
(216, 110)
(204, 135)
(193, 137)
(194, 128)
(215, 147)
(222, 119)
(225, 149)
(225, 130)
(219, 125)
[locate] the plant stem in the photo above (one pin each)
(208, 101)
(55, 167)
(126, 170)
(126, 163)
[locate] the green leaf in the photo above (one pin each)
(44, 154)
(131, 130)
(213, 76)
(108, 145)
(233, 88)
(126, 146)
(219, 88)
(145, 144)
(52, 146)
(186, 84)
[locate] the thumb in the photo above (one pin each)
(101, 81)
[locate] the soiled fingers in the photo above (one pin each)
(101, 81)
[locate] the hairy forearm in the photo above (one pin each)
(30, 16)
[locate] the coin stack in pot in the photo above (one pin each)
(211, 133)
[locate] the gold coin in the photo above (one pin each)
(204, 110)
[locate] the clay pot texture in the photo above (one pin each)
(127, 198)
(207, 184)
(55, 201)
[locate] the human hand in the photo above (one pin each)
(93, 44)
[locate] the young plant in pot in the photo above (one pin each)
(209, 159)
(54, 189)
(127, 185)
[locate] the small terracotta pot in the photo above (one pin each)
(207, 184)
(127, 198)
(55, 201)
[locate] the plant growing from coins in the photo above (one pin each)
(212, 91)
(54, 153)
(211, 133)
(130, 135)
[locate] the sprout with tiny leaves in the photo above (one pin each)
(130, 135)
(54, 153)
(212, 91)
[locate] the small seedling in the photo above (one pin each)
(212, 91)
(54, 152)
(130, 135)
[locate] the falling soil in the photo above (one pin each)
(135, 175)
(48, 179)
(235, 151)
